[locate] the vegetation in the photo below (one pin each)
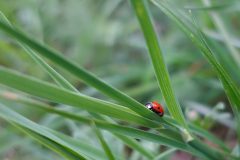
(75, 76)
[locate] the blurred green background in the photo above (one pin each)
(104, 37)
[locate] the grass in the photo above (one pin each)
(124, 118)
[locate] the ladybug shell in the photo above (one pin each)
(157, 108)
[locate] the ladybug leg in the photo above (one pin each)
(160, 114)
(155, 111)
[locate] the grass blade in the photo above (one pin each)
(155, 52)
(99, 123)
(82, 74)
(132, 143)
(52, 73)
(53, 93)
(61, 82)
(132, 132)
(193, 32)
(198, 39)
(40, 134)
(221, 27)
(103, 142)
(55, 76)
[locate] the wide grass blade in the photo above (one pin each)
(39, 88)
(132, 143)
(62, 82)
(79, 72)
(40, 134)
(161, 72)
(54, 75)
(45, 90)
(82, 145)
(132, 132)
(48, 143)
(171, 141)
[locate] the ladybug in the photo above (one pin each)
(155, 107)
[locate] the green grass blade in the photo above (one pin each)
(48, 109)
(192, 32)
(31, 103)
(79, 72)
(107, 126)
(60, 81)
(127, 131)
(103, 142)
(198, 39)
(48, 143)
(155, 52)
(54, 75)
(53, 93)
(23, 100)
(86, 148)
(229, 86)
(162, 75)
(40, 134)
(222, 29)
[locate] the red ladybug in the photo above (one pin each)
(155, 107)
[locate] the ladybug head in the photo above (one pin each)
(149, 105)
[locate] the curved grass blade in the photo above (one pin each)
(48, 143)
(55, 76)
(40, 134)
(88, 121)
(75, 117)
(234, 91)
(61, 82)
(48, 109)
(45, 90)
(79, 72)
(192, 31)
(10, 115)
(84, 147)
(31, 103)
